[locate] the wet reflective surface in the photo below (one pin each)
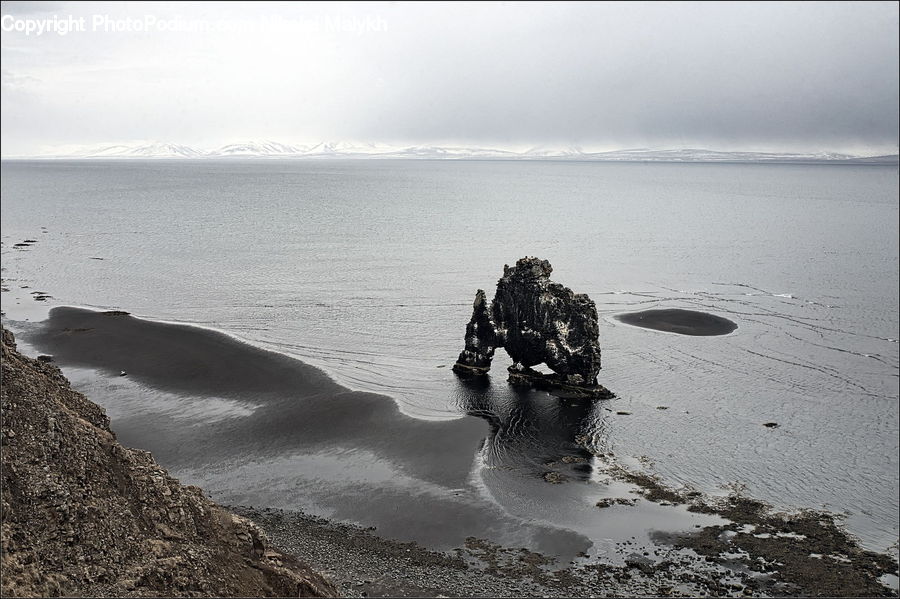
(683, 322)
(367, 270)
(255, 427)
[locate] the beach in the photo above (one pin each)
(296, 360)
(309, 411)
(420, 299)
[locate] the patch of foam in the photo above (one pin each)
(790, 535)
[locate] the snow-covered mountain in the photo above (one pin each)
(450, 152)
(701, 155)
(256, 148)
(542, 152)
(152, 150)
(350, 149)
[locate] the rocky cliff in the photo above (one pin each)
(83, 515)
(537, 322)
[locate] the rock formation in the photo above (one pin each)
(84, 516)
(536, 321)
(481, 339)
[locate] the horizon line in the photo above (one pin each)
(365, 150)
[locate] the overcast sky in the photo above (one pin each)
(754, 76)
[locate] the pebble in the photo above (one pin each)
(361, 563)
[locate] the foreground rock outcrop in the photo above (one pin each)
(536, 321)
(83, 515)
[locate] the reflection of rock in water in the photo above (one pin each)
(532, 431)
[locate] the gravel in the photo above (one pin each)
(362, 564)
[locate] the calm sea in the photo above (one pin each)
(368, 269)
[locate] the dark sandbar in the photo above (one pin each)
(683, 322)
(298, 409)
(300, 406)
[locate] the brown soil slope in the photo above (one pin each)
(83, 515)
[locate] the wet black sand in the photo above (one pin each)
(300, 409)
(299, 405)
(297, 410)
(683, 322)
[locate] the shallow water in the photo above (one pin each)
(368, 270)
(257, 427)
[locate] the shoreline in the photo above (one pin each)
(84, 515)
(679, 559)
(780, 558)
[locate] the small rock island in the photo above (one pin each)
(537, 322)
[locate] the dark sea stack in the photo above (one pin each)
(537, 322)
(481, 340)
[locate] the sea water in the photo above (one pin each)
(368, 270)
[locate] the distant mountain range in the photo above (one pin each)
(324, 150)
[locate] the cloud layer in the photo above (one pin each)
(770, 76)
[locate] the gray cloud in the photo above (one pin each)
(726, 75)
(30, 8)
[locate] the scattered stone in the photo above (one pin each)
(789, 548)
(785, 548)
(555, 477)
(610, 501)
(639, 562)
